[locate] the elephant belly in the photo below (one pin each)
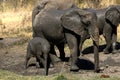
(55, 38)
(50, 26)
(54, 34)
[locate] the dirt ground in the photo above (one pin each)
(12, 59)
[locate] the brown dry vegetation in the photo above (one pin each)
(18, 24)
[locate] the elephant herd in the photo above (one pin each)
(72, 26)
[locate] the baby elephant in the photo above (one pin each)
(39, 48)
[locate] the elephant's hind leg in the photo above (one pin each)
(61, 50)
(53, 55)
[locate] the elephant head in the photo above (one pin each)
(79, 21)
(112, 16)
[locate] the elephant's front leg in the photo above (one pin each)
(108, 38)
(44, 61)
(37, 63)
(73, 46)
(114, 41)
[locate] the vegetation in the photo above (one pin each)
(6, 75)
(15, 18)
(15, 21)
(96, 3)
(6, 5)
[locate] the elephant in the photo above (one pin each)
(53, 4)
(38, 48)
(108, 20)
(67, 26)
(49, 4)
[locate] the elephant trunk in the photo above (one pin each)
(94, 34)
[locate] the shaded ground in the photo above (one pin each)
(12, 59)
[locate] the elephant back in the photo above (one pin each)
(56, 4)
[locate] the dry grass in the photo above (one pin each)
(92, 4)
(105, 3)
(16, 24)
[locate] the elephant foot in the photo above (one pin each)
(114, 52)
(106, 51)
(74, 68)
(57, 59)
(25, 67)
(62, 58)
(98, 70)
(69, 64)
(51, 65)
(54, 58)
(81, 54)
(37, 65)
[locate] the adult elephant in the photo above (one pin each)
(53, 4)
(60, 26)
(108, 20)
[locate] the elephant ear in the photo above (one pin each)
(72, 21)
(112, 15)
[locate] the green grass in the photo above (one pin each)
(6, 75)
(22, 28)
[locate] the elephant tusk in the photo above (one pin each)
(101, 39)
(92, 37)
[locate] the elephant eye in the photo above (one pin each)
(87, 23)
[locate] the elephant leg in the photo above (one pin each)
(73, 46)
(46, 63)
(43, 60)
(37, 63)
(28, 56)
(114, 41)
(53, 55)
(108, 38)
(61, 50)
(108, 44)
(42, 56)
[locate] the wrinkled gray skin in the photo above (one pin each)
(108, 20)
(60, 26)
(53, 4)
(39, 48)
(47, 23)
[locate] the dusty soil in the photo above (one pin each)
(12, 59)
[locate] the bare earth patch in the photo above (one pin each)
(12, 59)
